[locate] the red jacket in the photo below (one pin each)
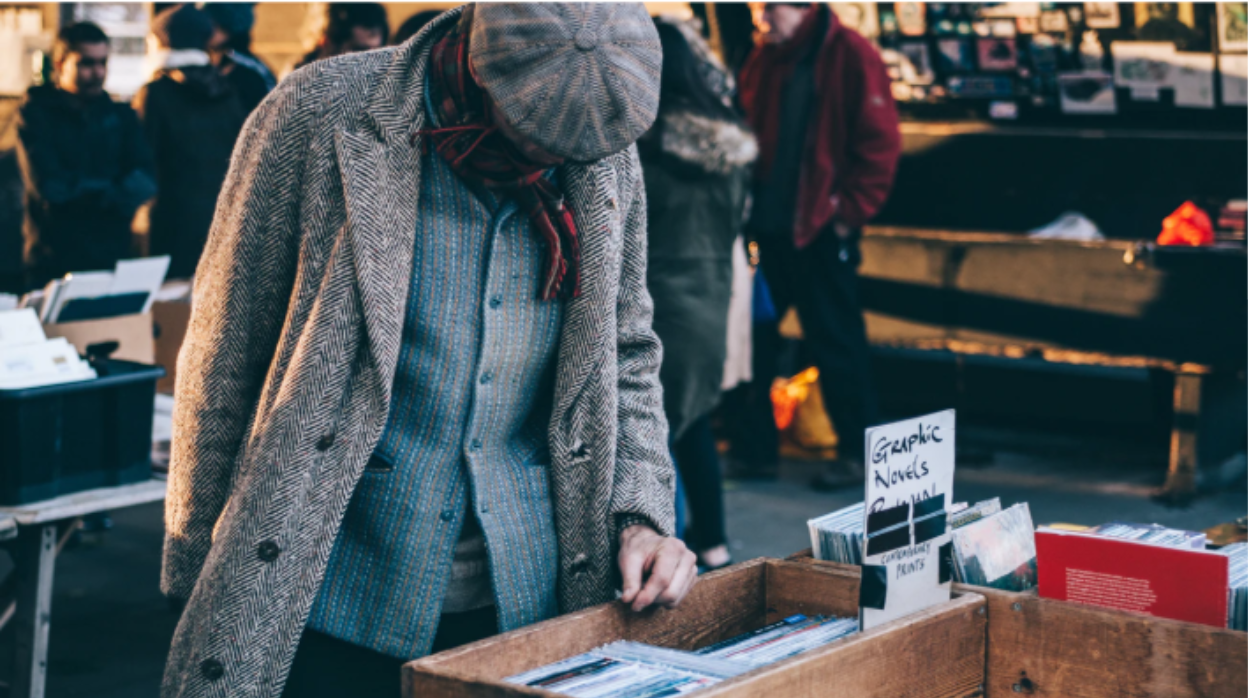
(853, 141)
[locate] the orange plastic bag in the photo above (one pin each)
(805, 429)
(1188, 225)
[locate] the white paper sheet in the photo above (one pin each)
(20, 327)
(909, 462)
(140, 275)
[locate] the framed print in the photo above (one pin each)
(997, 54)
(954, 56)
(911, 18)
(917, 66)
(1102, 15)
(1232, 26)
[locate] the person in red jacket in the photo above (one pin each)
(817, 96)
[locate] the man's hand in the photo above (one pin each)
(668, 567)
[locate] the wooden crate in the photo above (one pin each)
(935, 653)
(1047, 647)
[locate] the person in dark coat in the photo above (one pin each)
(85, 163)
(818, 97)
(696, 164)
(192, 115)
(230, 49)
(350, 27)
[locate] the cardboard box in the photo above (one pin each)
(938, 652)
(132, 332)
(1056, 648)
(171, 318)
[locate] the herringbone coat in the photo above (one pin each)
(284, 379)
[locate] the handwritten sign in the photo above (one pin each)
(909, 485)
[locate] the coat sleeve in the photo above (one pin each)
(242, 290)
(643, 490)
(874, 140)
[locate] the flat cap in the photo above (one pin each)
(581, 80)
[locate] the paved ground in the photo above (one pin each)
(111, 627)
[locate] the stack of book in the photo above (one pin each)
(1152, 533)
(638, 670)
(991, 547)
(1237, 613)
(837, 537)
(1137, 567)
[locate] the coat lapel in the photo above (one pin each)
(380, 167)
(589, 192)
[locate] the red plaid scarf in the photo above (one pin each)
(477, 151)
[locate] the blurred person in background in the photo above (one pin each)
(350, 27)
(818, 98)
(85, 163)
(696, 161)
(230, 48)
(192, 115)
(412, 25)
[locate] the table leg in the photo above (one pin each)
(34, 566)
(1180, 487)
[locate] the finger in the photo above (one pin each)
(682, 582)
(634, 561)
(666, 562)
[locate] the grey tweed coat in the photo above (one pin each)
(284, 379)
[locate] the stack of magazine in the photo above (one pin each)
(991, 547)
(997, 549)
(637, 670)
(1237, 615)
(837, 537)
(782, 639)
(1152, 533)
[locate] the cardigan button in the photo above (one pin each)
(268, 551)
(579, 565)
(325, 442)
(211, 669)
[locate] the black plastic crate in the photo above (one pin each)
(59, 439)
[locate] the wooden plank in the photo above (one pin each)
(808, 590)
(723, 604)
(1054, 648)
(935, 653)
(1045, 647)
(87, 502)
(898, 659)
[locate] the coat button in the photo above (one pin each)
(447, 515)
(325, 442)
(487, 378)
(211, 669)
(580, 450)
(579, 565)
(496, 301)
(268, 551)
(475, 445)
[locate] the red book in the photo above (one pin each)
(1183, 584)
